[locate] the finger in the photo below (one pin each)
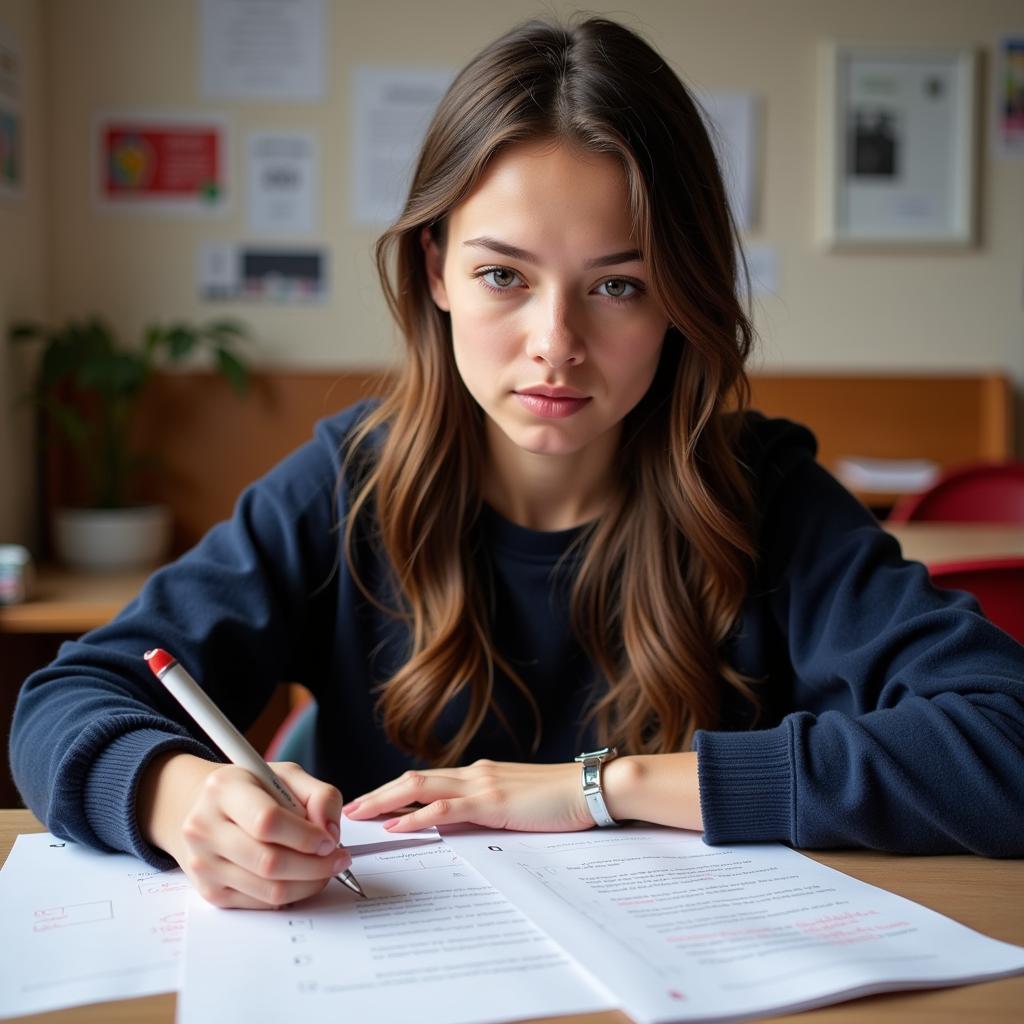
(414, 787)
(322, 801)
(278, 863)
(400, 780)
(231, 886)
(447, 811)
(245, 802)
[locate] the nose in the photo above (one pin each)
(555, 339)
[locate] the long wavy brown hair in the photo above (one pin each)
(661, 575)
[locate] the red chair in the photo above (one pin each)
(982, 493)
(997, 583)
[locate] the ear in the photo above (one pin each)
(434, 260)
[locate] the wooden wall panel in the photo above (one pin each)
(950, 419)
(211, 443)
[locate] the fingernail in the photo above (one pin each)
(332, 827)
(341, 862)
(325, 847)
(350, 806)
(392, 823)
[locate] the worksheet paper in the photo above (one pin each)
(81, 926)
(682, 931)
(433, 943)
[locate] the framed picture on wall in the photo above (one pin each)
(898, 146)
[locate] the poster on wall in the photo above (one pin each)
(1008, 136)
(228, 270)
(283, 180)
(153, 163)
(262, 51)
(898, 145)
(392, 109)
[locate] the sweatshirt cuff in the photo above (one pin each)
(746, 786)
(112, 785)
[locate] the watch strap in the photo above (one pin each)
(592, 763)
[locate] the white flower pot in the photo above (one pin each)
(112, 539)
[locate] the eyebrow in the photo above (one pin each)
(611, 260)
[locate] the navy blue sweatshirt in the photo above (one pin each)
(892, 713)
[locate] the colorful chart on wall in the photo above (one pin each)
(1008, 128)
(261, 273)
(161, 164)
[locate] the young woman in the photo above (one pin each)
(560, 531)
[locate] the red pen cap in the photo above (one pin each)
(159, 660)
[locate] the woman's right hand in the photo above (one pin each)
(237, 845)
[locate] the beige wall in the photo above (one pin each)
(23, 274)
(936, 310)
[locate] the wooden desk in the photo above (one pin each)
(987, 895)
(71, 602)
(932, 543)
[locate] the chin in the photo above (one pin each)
(546, 439)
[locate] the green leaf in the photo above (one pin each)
(234, 370)
(98, 336)
(113, 374)
(68, 422)
(181, 340)
(61, 358)
(151, 338)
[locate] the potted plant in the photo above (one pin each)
(87, 389)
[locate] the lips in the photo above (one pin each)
(552, 403)
(549, 391)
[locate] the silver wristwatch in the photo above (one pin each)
(592, 784)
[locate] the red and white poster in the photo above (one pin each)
(174, 165)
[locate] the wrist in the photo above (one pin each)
(658, 788)
(619, 781)
(166, 792)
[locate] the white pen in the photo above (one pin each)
(235, 747)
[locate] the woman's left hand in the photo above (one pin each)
(522, 797)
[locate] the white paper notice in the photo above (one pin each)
(433, 943)
(734, 132)
(392, 109)
(681, 931)
(80, 926)
(262, 49)
(283, 181)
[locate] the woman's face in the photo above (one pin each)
(554, 333)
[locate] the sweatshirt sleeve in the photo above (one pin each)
(240, 612)
(905, 729)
